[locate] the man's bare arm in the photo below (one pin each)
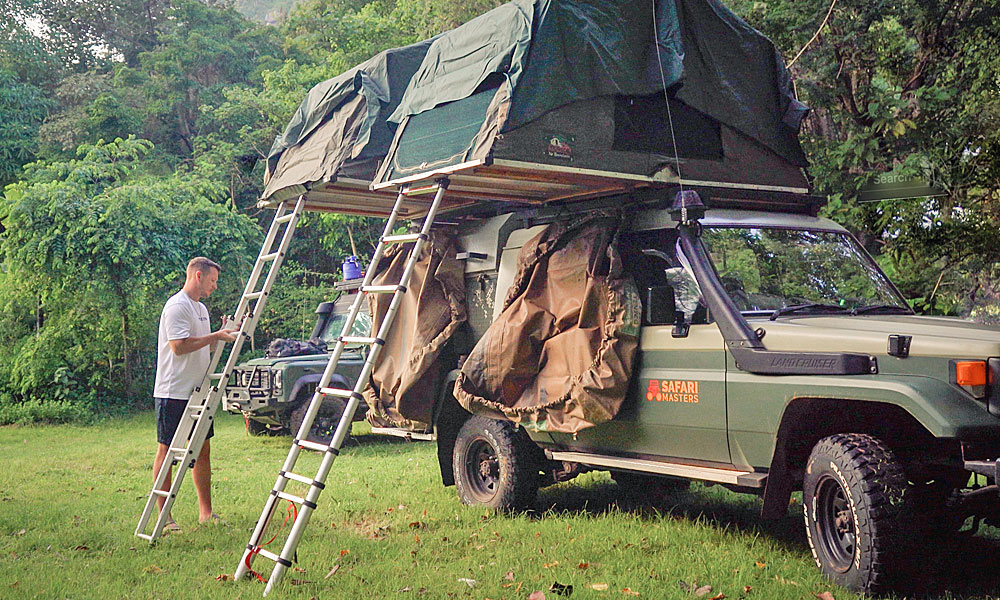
(189, 345)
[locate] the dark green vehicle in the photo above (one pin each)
(273, 393)
(774, 356)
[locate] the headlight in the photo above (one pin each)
(277, 380)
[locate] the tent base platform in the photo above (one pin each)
(505, 185)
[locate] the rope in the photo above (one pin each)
(815, 35)
(666, 98)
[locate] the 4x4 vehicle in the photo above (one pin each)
(774, 355)
(273, 392)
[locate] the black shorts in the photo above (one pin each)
(168, 417)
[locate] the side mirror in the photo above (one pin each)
(660, 305)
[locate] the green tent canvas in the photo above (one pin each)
(555, 100)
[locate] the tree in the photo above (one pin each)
(100, 244)
(909, 87)
(22, 109)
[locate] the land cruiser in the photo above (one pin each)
(774, 355)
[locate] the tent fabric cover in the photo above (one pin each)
(361, 133)
(555, 52)
(401, 389)
(560, 355)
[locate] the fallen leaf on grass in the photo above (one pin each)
(760, 565)
(405, 589)
(717, 597)
(300, 582)
(332, 571)
(223, 577)
(81, 547)
(583, 565)
(550, 565)
(781, 579)
(536, 595)
(560, 589)
(509, 576)
(747, 589)
(22, 532)
(152, 569)
(299, 570)
(629, 592)
(417, 525)
(598, 587)
(703, 591)
(344, 553)
(825, 596)
(469, 582)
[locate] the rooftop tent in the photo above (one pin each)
(543, 100)
(331, 147)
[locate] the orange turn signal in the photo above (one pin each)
(970, 372)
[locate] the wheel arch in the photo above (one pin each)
(806, 420)
(449, 416)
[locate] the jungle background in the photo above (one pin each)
(132, 134)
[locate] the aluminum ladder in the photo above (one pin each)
(200, 410)
(316, 484)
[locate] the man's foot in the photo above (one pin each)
(214, 519)
(171, 527)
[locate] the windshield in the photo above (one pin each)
(335, 325)
(765, 269)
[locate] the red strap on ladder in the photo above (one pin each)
(292, 513)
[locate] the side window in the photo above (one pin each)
(654, 259)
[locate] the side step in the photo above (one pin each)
(731, 476)
(405, 433)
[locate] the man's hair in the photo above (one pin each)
(202, 264)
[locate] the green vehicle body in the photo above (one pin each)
(268, 390)
(692, 412)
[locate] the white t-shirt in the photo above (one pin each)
(177, 376)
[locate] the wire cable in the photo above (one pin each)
(666, 98)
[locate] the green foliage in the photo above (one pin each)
(22, 108)
(100, 245)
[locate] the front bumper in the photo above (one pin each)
(251, 391)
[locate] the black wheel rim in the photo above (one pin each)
(482, 470)
(835, 524)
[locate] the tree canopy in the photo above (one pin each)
(132, 134)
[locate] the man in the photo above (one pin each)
(184, 349)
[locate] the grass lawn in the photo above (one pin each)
(70, 498)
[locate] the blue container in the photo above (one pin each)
(352, 270)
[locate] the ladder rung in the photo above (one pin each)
(301, 479)
(337, 392)
(216, 375)
(295, 499)
(162, 493)
(383, 289)
(268, 555)
(271, 256)
(285, 218)
(176, 450)
(313, 446)
(254, 295)
(402, 239)
(195, 407)
(356, 339)
(144, 536)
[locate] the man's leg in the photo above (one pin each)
(161, 454)
(203, 483)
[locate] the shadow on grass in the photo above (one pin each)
(963, 567)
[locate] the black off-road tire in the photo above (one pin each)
(640, 489)
(495, 465)
(854, 499)
(325, 423)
